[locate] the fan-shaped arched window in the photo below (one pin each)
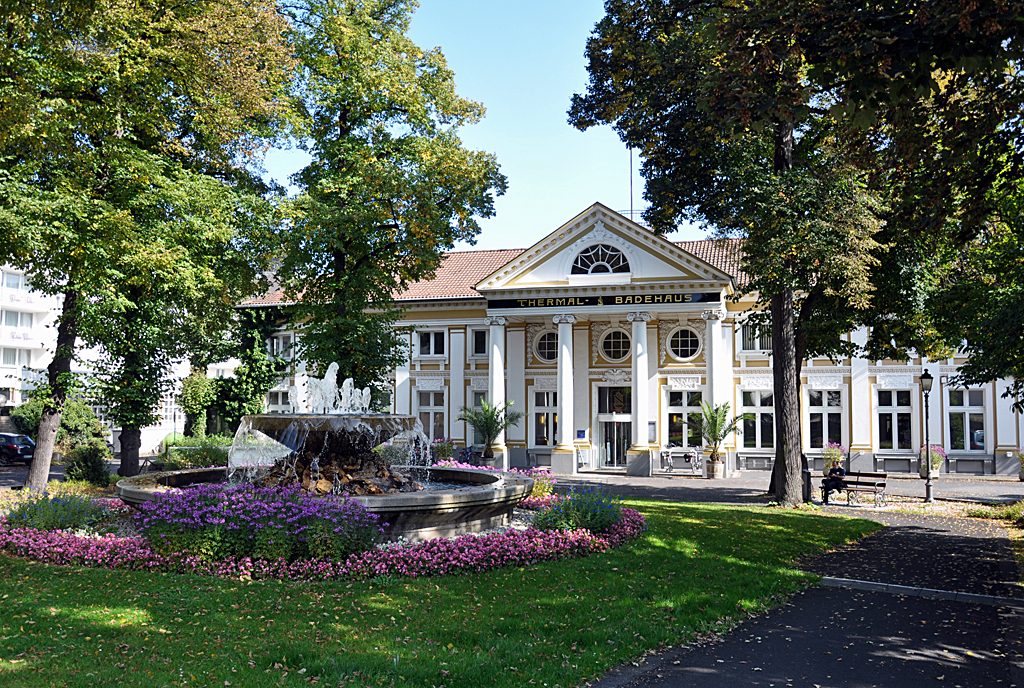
(600, 258)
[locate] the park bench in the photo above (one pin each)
(856, 483)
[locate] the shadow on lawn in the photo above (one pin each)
(698, 569)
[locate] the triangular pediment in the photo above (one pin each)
(650, 258)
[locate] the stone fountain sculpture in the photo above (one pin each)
(332, 451)
(330, 448)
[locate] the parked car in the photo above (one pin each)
(16, 448)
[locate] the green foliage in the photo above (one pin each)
(981, 300)
(78, 425)
(714, 425)
(57, 512)
(208, 451)
(125, 179)
(246, 392)
(392, 454)
(390, 187)
(197, 394)
(587, 508)
(490, 421)
(88, 462)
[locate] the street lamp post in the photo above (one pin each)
(926, 387)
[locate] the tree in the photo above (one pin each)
(197, 394)
(981, 301)
(245, 393)
(732, 135)
(390, 187)
(490, 421)
(94, 96)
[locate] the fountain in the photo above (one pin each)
(345, 450)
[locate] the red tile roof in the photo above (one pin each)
(460, 271)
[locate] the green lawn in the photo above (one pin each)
(553, 624)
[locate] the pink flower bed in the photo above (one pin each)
(465, 554)
(537, 503)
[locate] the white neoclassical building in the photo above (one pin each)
(608, 337)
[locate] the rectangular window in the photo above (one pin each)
(14, 281)
(431, 413)
(13, 357)
(478, 404)
(757, 338)
(967, 420)
(684, 413)
(758, 419)
(479, 342)
(545, 419)
(826, 417)
(615, 400)
(17, 319)
(431, 343)
(894, 419)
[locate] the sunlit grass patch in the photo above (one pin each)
(699, 569)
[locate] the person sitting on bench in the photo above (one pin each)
(834, 481)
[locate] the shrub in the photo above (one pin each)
(588, 508)
(57, 512)
(197, 452)
(443, 448)
(214, 522)
(78, 424)
(88, 462)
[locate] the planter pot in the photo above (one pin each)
(1020, 476)
(716, 470)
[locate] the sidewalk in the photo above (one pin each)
(852, 634)
(750, 487)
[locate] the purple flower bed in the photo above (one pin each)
(465, 554)
(219, 521)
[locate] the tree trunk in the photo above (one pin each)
(788, 490)
(782, 162)
(131, 441)
(59, 372)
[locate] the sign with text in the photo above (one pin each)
(598, 301)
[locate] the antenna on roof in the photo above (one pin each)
(630, 182)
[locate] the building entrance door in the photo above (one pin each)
(615, 441)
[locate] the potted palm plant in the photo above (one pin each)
(490, 421)
(714, 426)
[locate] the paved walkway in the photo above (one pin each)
(751, 487)
(889, 616)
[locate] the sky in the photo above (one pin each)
(523, 59)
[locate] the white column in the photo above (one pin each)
(719, 364)
(515, 358)
(565, 382)
(403, 387)
(496, 374)
(641, 398)
(456, 382)
(860, 403)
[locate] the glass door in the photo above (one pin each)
(615, 441)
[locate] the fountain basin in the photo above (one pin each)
(483, 500)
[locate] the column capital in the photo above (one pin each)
(713, 314)
(563, 319)
(639, 316)
(495, 320)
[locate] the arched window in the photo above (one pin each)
(599, 258)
